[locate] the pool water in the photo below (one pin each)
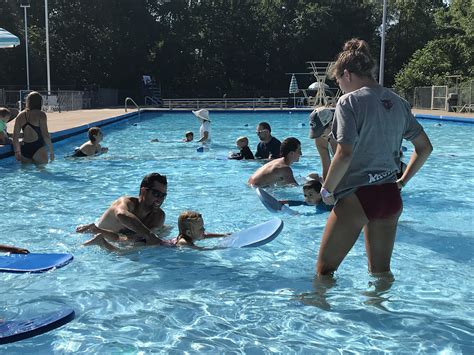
(252, 300)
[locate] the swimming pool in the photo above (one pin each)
(256, 300)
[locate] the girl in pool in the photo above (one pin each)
(190, 229)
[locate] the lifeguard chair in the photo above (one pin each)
(320, 71)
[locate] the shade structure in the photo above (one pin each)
(293, 85)
(293, 88)
(316, 85)
(8, 40)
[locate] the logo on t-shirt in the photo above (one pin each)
(379, 176)
(387, 104)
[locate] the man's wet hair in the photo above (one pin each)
(93, 131)
(288, 145)
(149, 179)
(312, 185)
(265, 125)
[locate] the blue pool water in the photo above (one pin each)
(256, 300)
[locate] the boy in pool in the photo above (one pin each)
(188, 137)
(92, 146)
(312, 197)
(190, 229)
(245, 152)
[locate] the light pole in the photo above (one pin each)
(382, 42)
(25, 4)
(47, 44)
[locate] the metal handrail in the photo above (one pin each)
(130, 99)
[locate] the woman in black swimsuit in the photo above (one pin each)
(33, 122)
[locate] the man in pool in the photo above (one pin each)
(278, 171)
(135, 217)
(269, 146)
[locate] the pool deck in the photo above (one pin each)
(69, 123)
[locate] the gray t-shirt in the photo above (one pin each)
(374, 120)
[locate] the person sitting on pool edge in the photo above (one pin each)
(135, 217)
(278, 171)
(92, 146)
(190, 229)
(244, 150)
(269, 146)
(312, 197)
(188, 137)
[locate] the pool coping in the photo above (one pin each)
(7, 150)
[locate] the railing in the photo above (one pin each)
(150, 100)
(252, 103)
(130, 99)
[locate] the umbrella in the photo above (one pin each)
(7, 39)
(316, 86)
(293, 88)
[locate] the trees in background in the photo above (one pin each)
(211, 48)
(450, 53)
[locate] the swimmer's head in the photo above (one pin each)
(242, 142)
(191, 225)
(34, 101)
(311, 191)
(4, 114)
(153, 190)
(188, 136)
(291, 145)
(95, 134)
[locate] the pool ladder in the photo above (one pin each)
(130, 99)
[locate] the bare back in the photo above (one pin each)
(276, 172)
(152, 219)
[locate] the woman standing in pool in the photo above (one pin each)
(205, 128)
(369, 124)
(33, 122)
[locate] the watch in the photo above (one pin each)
(325, 193)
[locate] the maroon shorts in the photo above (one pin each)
(380, 201)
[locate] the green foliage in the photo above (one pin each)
(450, 54)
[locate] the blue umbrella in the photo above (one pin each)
(293, 88)
(7, 39)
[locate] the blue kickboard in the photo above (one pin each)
(254, 236)
(11, 331)
(271, 203)
(33, 262)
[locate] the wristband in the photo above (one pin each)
(325, 193)
(401, 183)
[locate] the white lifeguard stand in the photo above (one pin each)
(320, 70)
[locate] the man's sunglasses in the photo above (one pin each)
(261, 131)
(156, 193)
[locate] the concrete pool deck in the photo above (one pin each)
(69, 123)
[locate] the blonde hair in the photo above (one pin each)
(185, 220)
(241, 139)
(355, 58)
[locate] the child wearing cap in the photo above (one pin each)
(244, 150)
(188, 136)
(320, 122)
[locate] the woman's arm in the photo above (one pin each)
(16, 136)
(323, 150)
(423, 149)
(204, 137)
(46, 136)
(339, 165)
